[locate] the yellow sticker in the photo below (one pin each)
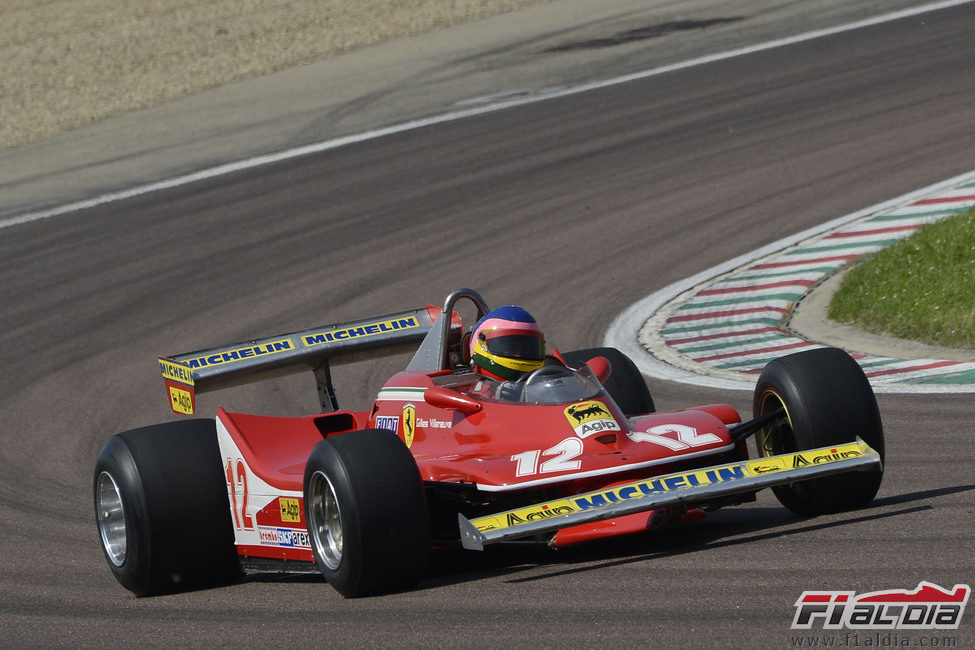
(534, 513)
(409, 424)
(766, 466)
(803, 458)
(181, 399)
(290, 510)
(585, 411)
(176, 371)
(824, 455)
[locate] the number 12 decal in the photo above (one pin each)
(241, 518)
(687, 437)
(562, 458)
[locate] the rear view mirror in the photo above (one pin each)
(600, 368)
(445, 398)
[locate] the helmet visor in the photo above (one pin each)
(518, 346)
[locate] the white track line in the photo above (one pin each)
(318, 147)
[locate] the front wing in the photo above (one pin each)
(683, 488)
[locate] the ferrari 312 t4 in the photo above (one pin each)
(574, 451)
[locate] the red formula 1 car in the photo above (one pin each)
(446, 456)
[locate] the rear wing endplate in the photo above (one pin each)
(318, 348)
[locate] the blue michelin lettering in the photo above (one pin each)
(628, 492)
(360, 331)
(675, 482)
(241, 353)
(653, 487)
(730, 473)
(657, 486)
(592, 501)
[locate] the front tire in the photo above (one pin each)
(828, 401)
(367, 513)
(625, 384)
(161, 509)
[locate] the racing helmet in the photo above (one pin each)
(507, 343)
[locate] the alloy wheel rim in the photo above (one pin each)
(325, 520)
(111, 519)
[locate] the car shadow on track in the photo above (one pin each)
(722, 529)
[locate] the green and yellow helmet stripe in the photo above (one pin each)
(504, 367)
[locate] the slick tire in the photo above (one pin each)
(161, 509)
(367, 513)
(827, 401)
(625, 384)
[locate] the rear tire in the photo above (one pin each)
(828, 401)
(162, 511)
(367, 513)
(625, 384)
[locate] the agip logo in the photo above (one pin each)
(588, 418)
(182, 400)
(290, 509)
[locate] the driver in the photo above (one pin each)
(507, 344)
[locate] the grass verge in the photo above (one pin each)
(921, 288)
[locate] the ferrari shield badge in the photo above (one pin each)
(409, 424)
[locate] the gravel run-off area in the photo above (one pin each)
(67, 63)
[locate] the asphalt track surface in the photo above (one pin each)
(574, 208)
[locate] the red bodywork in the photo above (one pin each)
(508, 453)
(480, 448)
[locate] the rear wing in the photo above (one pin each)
(316, 349)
